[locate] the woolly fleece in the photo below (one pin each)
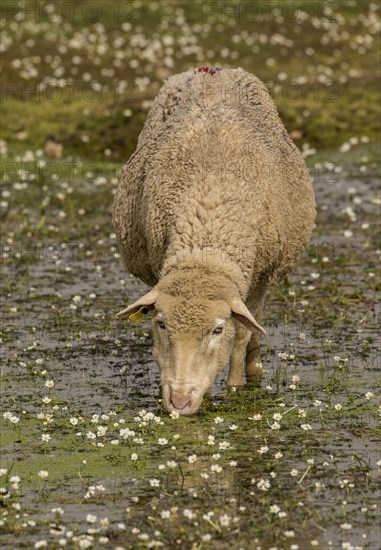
(216, 190)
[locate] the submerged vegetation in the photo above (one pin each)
(88, 457)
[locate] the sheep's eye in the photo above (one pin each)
(218, 329)
(161, 323)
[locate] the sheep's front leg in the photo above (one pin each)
(253, 353)
(242, 336)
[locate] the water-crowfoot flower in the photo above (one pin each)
(171, 464)
(154, 482)
(43, 474)
(216, 468)
(306, 427)
(274, 509)
(189, 514)
(275, 426)
(294, 473)
(224, 445)
(277, 416)
(211, 439)
(218, 420)
(263, 484)
(126, 433)
(162, 441)
(174, 414)
(45, 437)
(192, 459)
(49, 383)
(73, 421)
(224, 520)
(134, 456)
(338, 407)
(369, 395)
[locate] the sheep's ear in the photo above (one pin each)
(148, 301)
(243, 315)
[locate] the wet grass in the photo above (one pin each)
(89, 458)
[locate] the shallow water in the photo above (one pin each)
(100, 365)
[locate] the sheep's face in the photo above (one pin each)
(193, 341)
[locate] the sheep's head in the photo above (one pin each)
(193, 341)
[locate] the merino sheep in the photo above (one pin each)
(214, 206)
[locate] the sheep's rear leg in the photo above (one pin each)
(242, 336)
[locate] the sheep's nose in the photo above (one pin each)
(180, 401)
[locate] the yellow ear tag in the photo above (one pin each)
(138, 315)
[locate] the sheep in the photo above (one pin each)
(215, 205)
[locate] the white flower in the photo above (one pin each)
(338, 407)
(165, 514)
(224, 445)
(188, 513)
(369, 395)
(46, 437)
(294, 472)
(171, 464)
(90, 518)
(295, 378)
(274, 509)
(192, 459)
(43, 474)
(225, 520)
(275, 426)
(126, 433)
(49, 383)
(216, 468)
(134, 456)
(278, 455)
(73, 421)
(277, 416)
(306, 427)
(263, 449)
(264, 484)
(218, 420)
(154, 482)
(41, 544)
(162, 441)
